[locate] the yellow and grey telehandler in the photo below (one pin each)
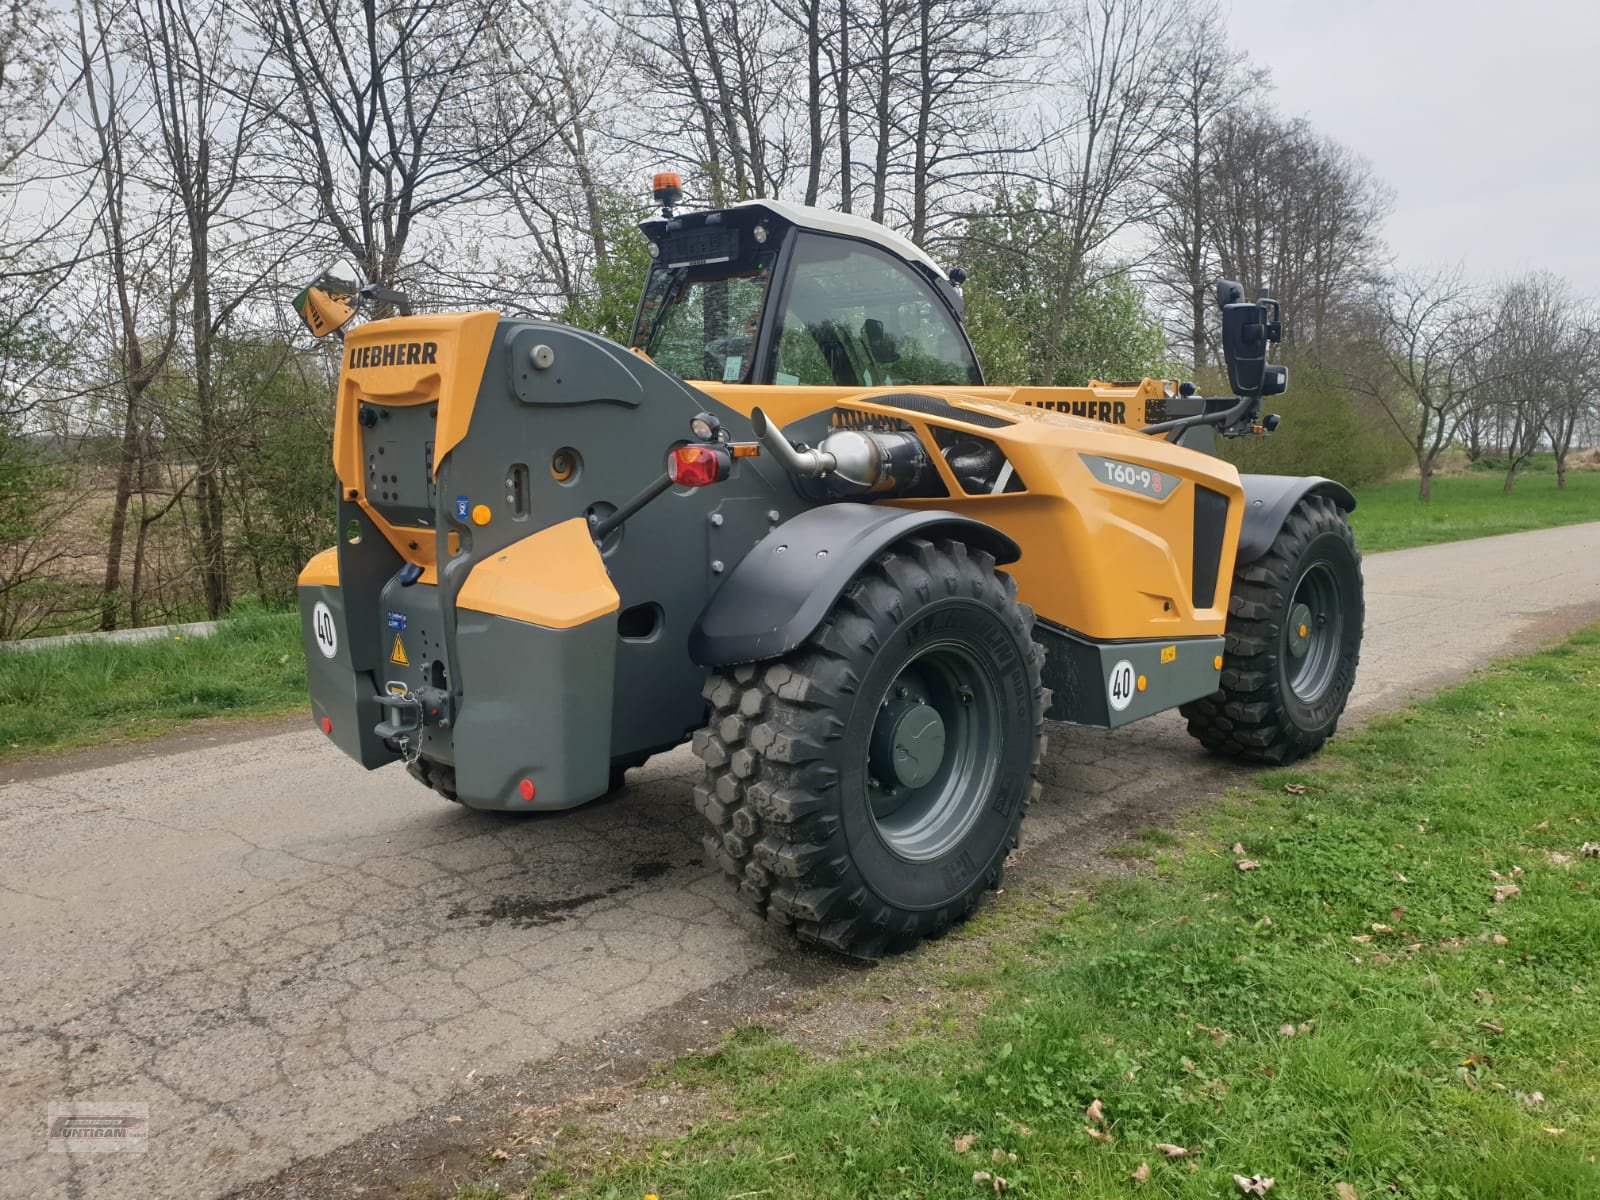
(792, 524)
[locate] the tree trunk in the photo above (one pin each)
(1425, 488)
(1511, 478)
(1561, 472)
(127, 462)
(841, 85)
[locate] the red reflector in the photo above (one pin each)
(697, 465)
(526, 789)
(327, 725)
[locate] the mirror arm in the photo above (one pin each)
(1223, 417)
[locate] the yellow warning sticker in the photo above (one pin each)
(1169, 654)
(398, 654)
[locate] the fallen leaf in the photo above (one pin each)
(1556, 859)
(1237, 848)
(1247, 864)
(1141, 1173)
(452, 1120)
(1397, 913)
(1099, 1135)
(1001, 1157)
(1533, 1099)
(1492, 1026)
(981, 1177)
(1000, 1184)
(1345, 1192)
(1286, 1030)
(1095, 1112)
(1542, 825)
(1500, 939)
(1296, 789)
(499, 1155)
(1413, 947)
(1380, 928)
(1590, 850)
(1553, 1131)
(964, 1142)
(1400, 877)
(1172, 1151)
(1505, 891)
(1255, 1185)
(1473, 1060)
(1360, 937)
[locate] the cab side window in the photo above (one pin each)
(856, 316)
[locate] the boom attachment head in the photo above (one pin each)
(328, 303)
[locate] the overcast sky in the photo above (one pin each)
(1483, 117)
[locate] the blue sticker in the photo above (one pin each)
(463, 507)
(397, 620)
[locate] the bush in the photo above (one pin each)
(1326, 430)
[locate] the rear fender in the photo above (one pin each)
(1267, 501)
(781, 590)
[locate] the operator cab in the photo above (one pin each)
(768, 292)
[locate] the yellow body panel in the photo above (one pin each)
(450, 350)
(1102, 560)
(322, 570)
(554, 578)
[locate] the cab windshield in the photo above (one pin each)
(701, 322)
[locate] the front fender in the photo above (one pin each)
(783, 588)
(1267, 501)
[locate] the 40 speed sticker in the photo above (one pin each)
(1132, 477)
(1120, 686)
(323, 630)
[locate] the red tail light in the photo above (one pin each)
(698, 464)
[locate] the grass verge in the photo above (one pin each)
(1354, 1015)
(95, 692)
(1389, 516)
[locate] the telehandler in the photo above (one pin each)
(793, 524)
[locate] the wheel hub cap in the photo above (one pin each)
(907, 744)
(1300, 626)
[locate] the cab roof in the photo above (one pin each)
(826, 220)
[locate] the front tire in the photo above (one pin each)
(1294, 639)
(866, 788)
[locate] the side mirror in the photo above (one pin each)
(1248, 328)
(879, 342)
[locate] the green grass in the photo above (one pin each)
(1356, 1010)
(90, 693)
(1389, 516)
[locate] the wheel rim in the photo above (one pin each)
(1312, 633)
(932, 757)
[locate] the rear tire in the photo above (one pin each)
(1294, 639)
(865, 789)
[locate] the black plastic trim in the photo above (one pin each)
(937, 406)
(783, 588)
(1267, 501)
(1210, 525)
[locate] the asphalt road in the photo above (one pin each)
(279, 954)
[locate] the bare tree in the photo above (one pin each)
(1294, 212)
(720, 75)
(1208, 80)
(1573, 403)
(205, 121)
(377, 109)
(1523, 362)
(134, 253)
(1116, 116)
(1427, 351)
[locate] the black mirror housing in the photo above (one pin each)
(1248, 329)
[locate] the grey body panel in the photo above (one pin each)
(522, 718)
(1267, 501)
(514, 690)
(781, 590)
(1078, 672)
